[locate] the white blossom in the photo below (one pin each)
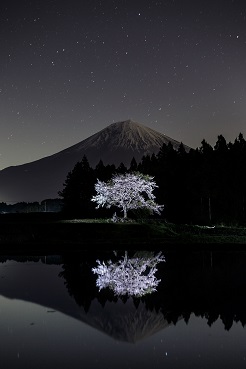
(127, 191)
(129, 276)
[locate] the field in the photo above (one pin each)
(50, 233)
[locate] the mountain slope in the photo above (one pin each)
(119, 142)
(43, 178)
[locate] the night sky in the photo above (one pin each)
(70, 68)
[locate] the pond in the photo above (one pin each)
(52, 314)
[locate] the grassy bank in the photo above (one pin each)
(44, 231)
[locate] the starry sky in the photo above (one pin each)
(70, 68)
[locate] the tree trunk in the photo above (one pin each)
(209, 209)
(125, 212)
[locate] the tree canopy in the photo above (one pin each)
(127, 191)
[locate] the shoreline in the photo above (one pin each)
(52, 233)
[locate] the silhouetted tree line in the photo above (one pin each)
(210, 286)
(48, 205)
(204, 185)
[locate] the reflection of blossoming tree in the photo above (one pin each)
(129, 276)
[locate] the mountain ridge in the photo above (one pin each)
(128, 129)
(43, 178)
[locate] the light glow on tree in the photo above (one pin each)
(127, 191)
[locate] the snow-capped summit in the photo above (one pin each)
(119, 142)
(43, 178)
(130, 135)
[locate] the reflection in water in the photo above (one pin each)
(191, 284)
(129, 276)
(52, 315)
(125, 320)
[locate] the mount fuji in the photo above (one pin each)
(43, 178)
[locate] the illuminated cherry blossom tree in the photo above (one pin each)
(127, 191)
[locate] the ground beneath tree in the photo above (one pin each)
(50, 232)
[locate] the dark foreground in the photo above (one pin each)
(54, 316)
(51, 233)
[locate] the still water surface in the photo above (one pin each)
(53, 316)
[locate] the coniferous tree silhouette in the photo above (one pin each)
(206, 180)
(133, 165)
(78, 190)
(205, 185)
(221, 160)
(121, 168)
(238, 178)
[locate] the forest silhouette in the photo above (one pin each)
(209, 285)
(206, 185)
